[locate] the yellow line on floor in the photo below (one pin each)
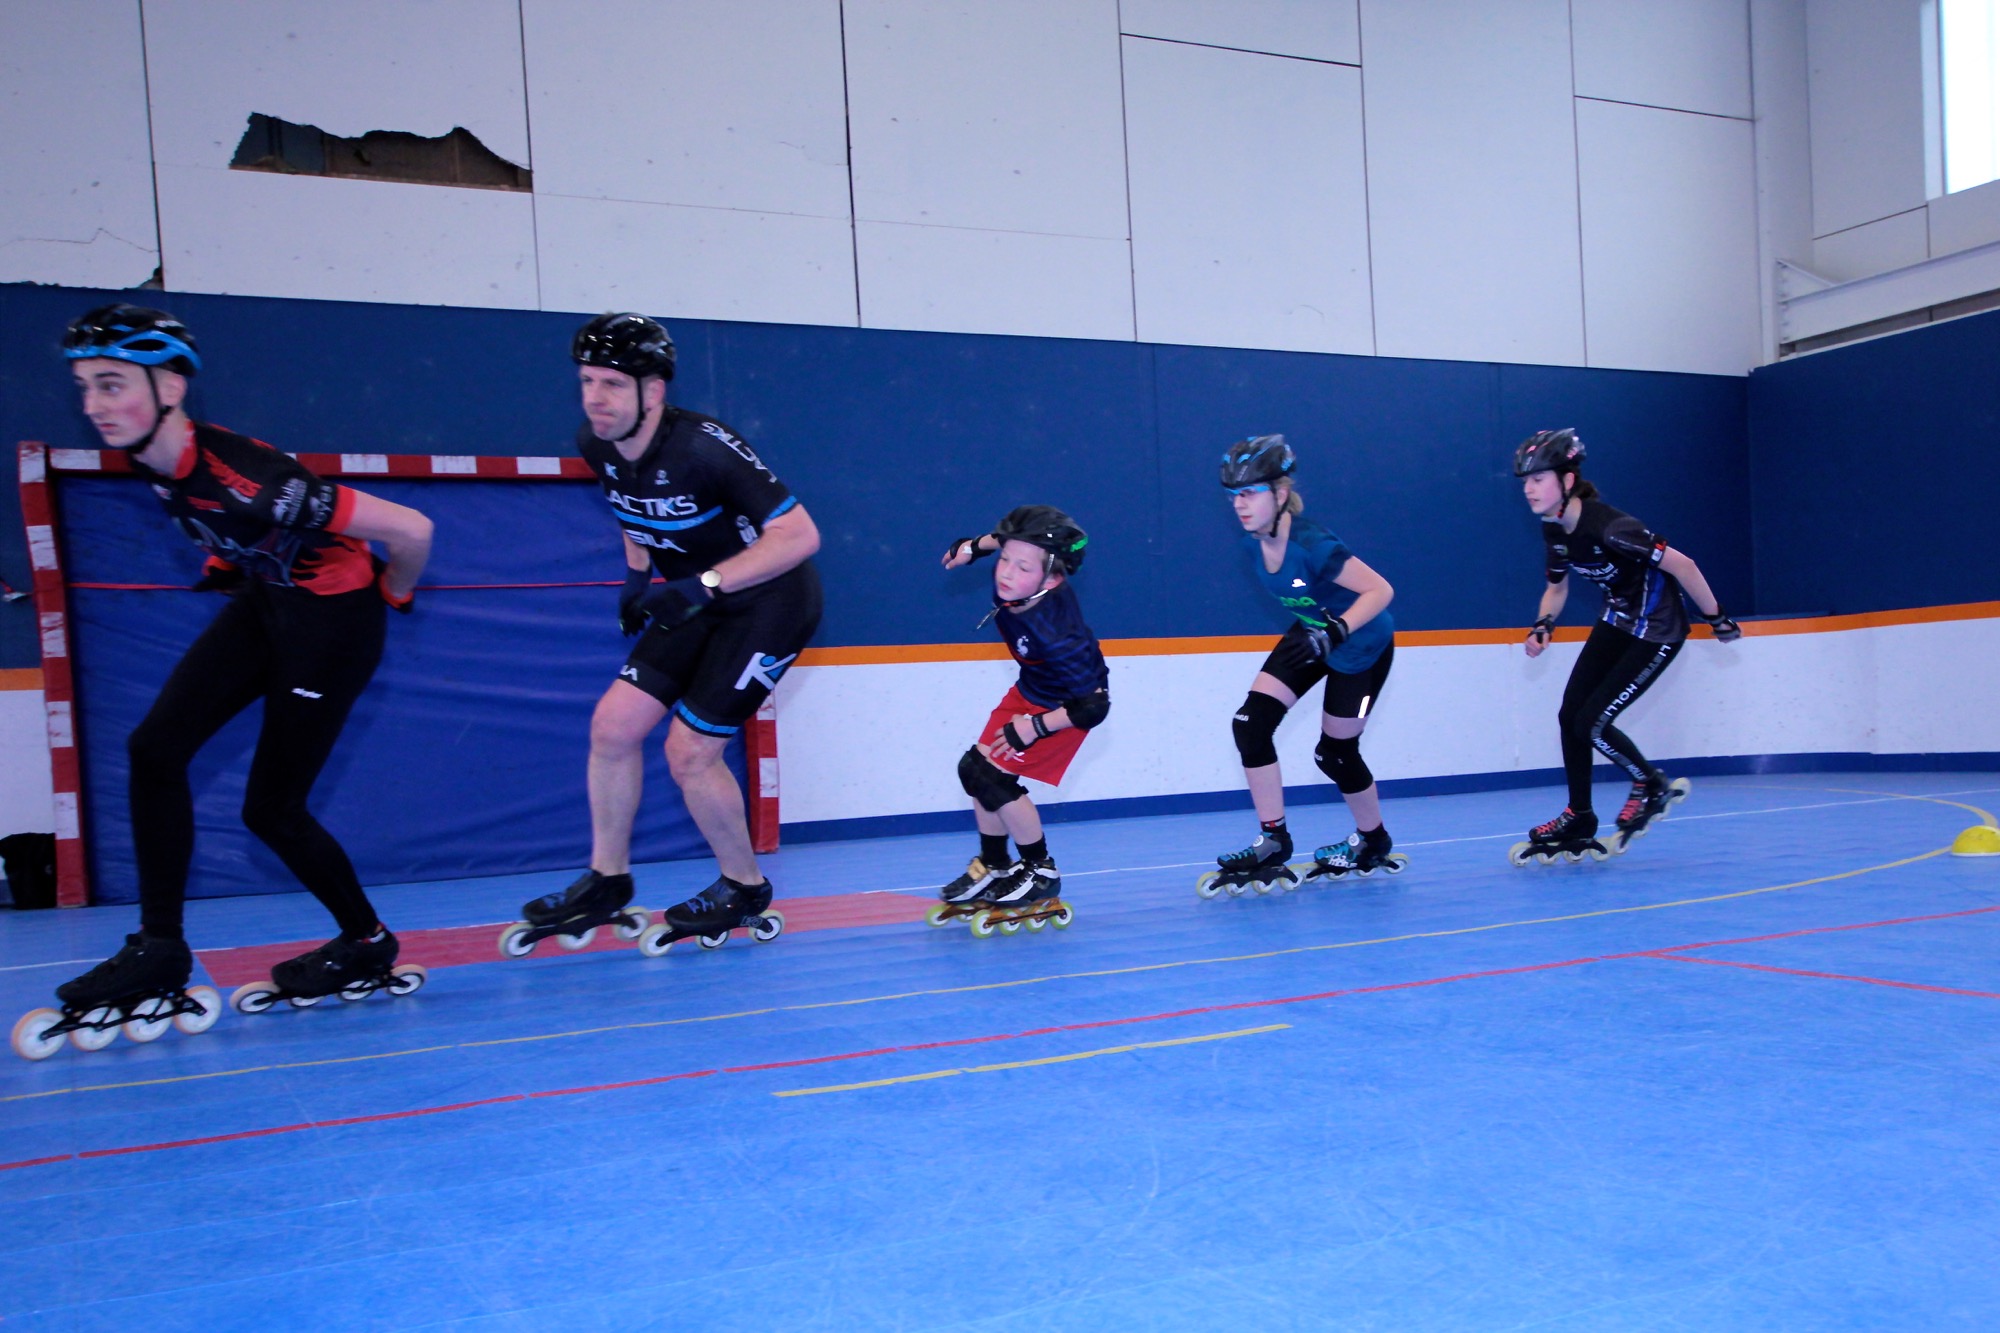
(1029, 1064)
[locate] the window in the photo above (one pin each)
(1968, 78)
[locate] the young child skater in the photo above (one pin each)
(1062, 692)
(1641, 629)
(1343, 635)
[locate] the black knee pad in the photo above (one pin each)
(986, 783)
(1255, 723)
(1339, 757)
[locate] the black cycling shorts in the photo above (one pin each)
(713, 671)
(1348, 694)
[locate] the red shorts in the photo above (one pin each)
(1048, 759)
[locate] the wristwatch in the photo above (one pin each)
(712, 581)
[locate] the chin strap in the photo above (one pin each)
(639, 401)
(160, 411)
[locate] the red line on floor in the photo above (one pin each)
(1834, 976)
(1831, 930)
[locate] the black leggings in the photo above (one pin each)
(308, 657)
(1614, 669)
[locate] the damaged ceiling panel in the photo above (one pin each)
(76, 207)
(349, 70)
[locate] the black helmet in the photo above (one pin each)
(1549, 451)
(1261, 459)
(132, 333)
(632, 343)
(1049, 528)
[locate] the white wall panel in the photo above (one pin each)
(1669, 239)
(724, 103)
(1687, 55)
(1867, 110)
(1965, 219)
(694, 263)
(1472, 180)
(1249, 199)
(76, 203)
(1873, 247)
(348, 68)
(961, 280)
(1005, 117)
(27, 803)
(255, 233)
(1314, 29)
(1784, 150)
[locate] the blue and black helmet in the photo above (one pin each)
(132, 333)
(1259, 460)
(631, 343)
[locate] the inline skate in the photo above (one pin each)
(1569, 835)
(1258, 868)
(573, 915)
(353, 969)
(141, 990)
(1030, 894)
(1649, 802)
(1360, 854)
(965, 896)
(710, 915)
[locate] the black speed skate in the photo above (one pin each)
(1030, 894)
(965, 897)
(573, 915)
(1358, 854)
(710, 915)
(141, 990)
(1569, 835)
(1258, 868)
(1650, 800)
(353, 969)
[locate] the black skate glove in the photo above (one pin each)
(631, 617)
(1020, 742)
(218, 576)
(1327, 638)
(678, 602)
(1726, 630)
(960, 542)
(1542, 630)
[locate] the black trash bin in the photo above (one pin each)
(30, 860)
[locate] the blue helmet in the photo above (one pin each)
(1259, 460)
(132, 333)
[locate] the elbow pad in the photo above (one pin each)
(1088, 711)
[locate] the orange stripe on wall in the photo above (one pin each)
(20, 678)
(892, 654)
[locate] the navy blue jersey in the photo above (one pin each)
(1304, 584)
(1059, 656)
(1617, 553)
(695, 497)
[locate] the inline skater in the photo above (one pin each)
(301, 629)
(740, 599)
(1035, 731)
(1640, 631)
(1343, 634)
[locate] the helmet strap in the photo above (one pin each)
(639, 397)
(160, 411)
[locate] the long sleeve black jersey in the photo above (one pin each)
(1617, 552)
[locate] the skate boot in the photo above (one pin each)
(1650, 800)
(574, 915)
(1258, 868)
(966, 895)
(351, 968)
(142, 990)
(710, 915)
(1569, 835)
(1029, 894)
(1360, 854)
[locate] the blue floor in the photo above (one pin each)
(1469, 1097)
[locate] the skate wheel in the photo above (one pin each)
(514, 941)
(254, 997)
(1260, 887)
(656, 940)
(1010, 926)
(407, 979)
(939, 915)
(303, 1001)
(1598, 853)
(983, 925)
(103, 1030)
(1036, 922)
(208, 1008)
(712, 941)
(32, 1034)
(1572, 857)
(1062, 918)
(1206, 887)
(772, 927)
(575, 942)
(1396, 863)
(633, 924)
(1518, 854)
(149, 1020)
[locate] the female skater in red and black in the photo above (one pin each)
(1641, 630)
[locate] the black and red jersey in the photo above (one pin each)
(262, 511)
(1617, 553)
(696, 496)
